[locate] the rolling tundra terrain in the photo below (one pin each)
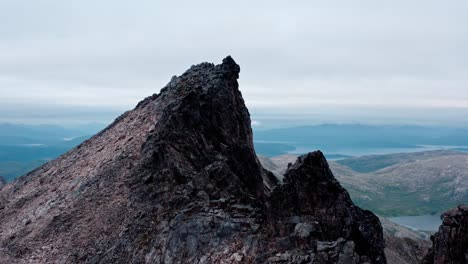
(418, 183)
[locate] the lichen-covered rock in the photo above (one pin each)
(176, 180)
(450, 243)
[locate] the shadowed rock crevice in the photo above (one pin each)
(176, 180)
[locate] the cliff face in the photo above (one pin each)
(450, 243)
(402, 245)
(176, 180)
(313, 204)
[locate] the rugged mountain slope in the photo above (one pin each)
(450, 243)
(403, 250)
(277, 164)
(313, 200)
(403, 245)
(176, 180)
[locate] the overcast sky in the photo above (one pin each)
(399, 61)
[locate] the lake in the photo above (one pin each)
(420, 222)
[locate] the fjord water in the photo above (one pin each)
(420, 222)
(359, 140)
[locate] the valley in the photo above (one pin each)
(408, 184)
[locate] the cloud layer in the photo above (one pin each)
(406, 60)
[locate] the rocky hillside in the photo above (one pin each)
(403, 245)
(371, 163)
(417, 184)
(176, 180)
(450, 243)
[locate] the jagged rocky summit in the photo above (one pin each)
(450, 243)
(176, 180)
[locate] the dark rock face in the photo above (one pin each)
(312, 202)
(176, 180)
(402, 245)
(450, 243)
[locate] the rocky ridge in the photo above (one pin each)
(450, 243)
(176, 180)
(402, 245)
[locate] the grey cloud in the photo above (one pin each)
(296, 56)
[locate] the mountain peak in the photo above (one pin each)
(177, 180)
(230, 67)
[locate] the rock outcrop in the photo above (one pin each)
(450, 243)
(402, 245)
(176, 180)
(313, 204)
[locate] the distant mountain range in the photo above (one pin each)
(358, 140)
(26, 147)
